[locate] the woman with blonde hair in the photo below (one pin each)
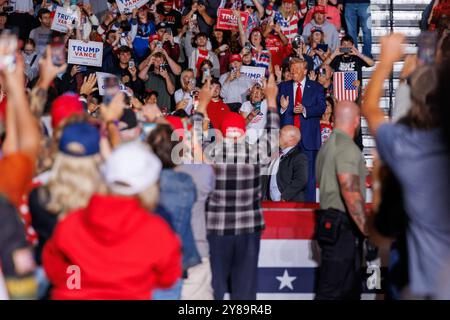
(74, 177)
(117, 232)
(287, 17)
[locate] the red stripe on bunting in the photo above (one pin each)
(290, 220)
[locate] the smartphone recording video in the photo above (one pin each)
(58, 53)
(112, 87)
(8, 49)
(427, 47)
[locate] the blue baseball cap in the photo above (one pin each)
(80, 140)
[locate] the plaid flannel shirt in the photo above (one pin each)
(234, 207)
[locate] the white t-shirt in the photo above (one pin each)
(255, 128)
(180, 95)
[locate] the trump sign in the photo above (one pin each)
(128, 5)
(85, 53)
(226, 20)
(63, 17)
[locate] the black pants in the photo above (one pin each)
(340, 269)
(234, 265)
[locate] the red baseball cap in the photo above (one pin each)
(289, 1)
(168, 2)
(154, 37)
(233, 126)
(177, 125)
(319, 9)
(64, 106)
(235, 57)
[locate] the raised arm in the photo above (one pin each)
(391, 51)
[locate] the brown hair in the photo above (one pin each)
(160, 140)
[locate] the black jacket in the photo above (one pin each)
(292, 177)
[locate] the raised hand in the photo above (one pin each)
(89, 83)
(392, 48)
(284, 102)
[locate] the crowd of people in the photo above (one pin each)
(143, 178)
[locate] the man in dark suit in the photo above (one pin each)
(301, 103)
(289, 171)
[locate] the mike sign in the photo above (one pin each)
(128, 5)
(63, 17)
(226, 20)
(85, 53)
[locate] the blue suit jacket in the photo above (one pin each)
(313, 99)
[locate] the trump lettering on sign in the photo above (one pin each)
(63, 17)
(226, 20)
(129, 5)
(85, 53)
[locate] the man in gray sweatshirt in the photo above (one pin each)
(319, 22)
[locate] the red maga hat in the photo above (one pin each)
(235, 57)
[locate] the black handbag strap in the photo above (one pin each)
(33, 60)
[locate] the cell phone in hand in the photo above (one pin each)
(112, 87)
(322, 46)
(58, 54)
(8, 48)
(131, 64)
(322, 72)
(345, 49)
(427, 47)
(163, 67)
(82, 69)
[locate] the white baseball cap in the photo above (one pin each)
(131, 168)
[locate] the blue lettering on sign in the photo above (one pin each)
(85, 49)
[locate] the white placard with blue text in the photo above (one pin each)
(254, 73)
(85, 53)
(63, 17)
(128, 5)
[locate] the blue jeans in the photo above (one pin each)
(360, 13)
(173, 293)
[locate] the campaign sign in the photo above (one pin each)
(63, 17)
(101, 76)
(126, 6)
(85, 53)
(254, 73)
(226, 20)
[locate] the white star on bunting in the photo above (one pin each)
(286, 280)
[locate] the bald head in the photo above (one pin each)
(289, 136)
(347, 117)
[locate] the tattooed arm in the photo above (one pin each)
(354, 201)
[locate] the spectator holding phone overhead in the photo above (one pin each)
(317, 49)
(348, 58)
(235, 84)
(158, 77)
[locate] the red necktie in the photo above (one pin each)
(298, 100)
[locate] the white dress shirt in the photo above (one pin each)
(275, 194)
(302, 84)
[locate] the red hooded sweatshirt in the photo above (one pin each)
(122, 252)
